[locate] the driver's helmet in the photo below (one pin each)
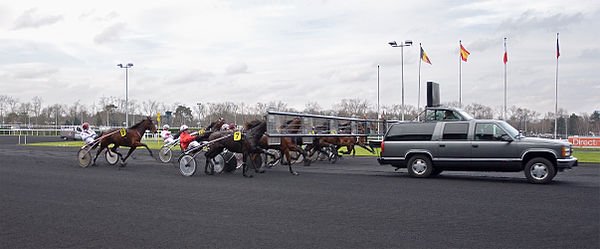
(224, 127)
(183, 128)
(85, 126)
(231, 126)
(166, 127)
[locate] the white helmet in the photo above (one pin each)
(224, 127)
(183, 128)
(166, 127)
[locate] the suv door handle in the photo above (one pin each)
(442, 145)
(475, 145)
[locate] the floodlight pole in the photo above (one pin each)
(406, 43)
(126, 91)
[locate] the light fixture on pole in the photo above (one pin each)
(406, 43)
(199, 110)
(126, 91)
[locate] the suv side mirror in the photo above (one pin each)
(506, 138)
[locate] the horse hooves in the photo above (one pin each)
(295, 173)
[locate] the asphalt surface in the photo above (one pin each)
(48, 201)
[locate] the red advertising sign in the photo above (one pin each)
(585, 142)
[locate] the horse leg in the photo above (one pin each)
(245, 166)
(287, 155)
(125, 158)
(102, 147)
(137, 144)
(260, 168)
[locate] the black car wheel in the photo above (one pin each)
(419, 166)
(539, 170)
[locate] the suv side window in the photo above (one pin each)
(410, 132)
(455, 131)
(488, 132)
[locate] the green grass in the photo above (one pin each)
(587, 157)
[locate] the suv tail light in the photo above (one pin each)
(382, 146)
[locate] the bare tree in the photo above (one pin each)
(36, 105)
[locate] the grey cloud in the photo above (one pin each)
(531, 20)
(482, 44)
(190, 77)
(31, 19)
(590, 53)
(34, 73)
(111, 33)
(238, 68)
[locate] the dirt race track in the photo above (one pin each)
(47, 201)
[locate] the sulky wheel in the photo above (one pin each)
(272, 161)
(217, 164)
(187, 165)
(111, 157)
(165, 154)
(84, 158)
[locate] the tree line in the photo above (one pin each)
(110, 111)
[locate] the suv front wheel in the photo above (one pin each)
(419, 166)
(539, 170)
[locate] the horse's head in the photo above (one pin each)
(255, 128)
(149, 125)
(294, 125)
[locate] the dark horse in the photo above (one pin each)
(130, 138)
(247, 145)
(338, 142)
(288, 144)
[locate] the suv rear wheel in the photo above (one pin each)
(419, 166)
(539, 170)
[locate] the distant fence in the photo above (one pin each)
(585, 142)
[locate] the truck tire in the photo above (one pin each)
(539, 170)
(419, 166)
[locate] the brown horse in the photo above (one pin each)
(129, 137)
(288, 144)
(338, 142)
(247, 145)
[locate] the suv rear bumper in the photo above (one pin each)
(396, 161)
(566, 163)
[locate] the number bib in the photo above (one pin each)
(237, 136)
(123, 132)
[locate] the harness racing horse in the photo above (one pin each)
(288, 144)
(247, 144)
(338, 142)
(129, 137)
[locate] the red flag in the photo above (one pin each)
(464, 53)
(557, 50)
(505, 57)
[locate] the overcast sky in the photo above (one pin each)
(299, 51)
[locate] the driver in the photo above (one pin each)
(87, 135)
(165, 134)
(186, 139)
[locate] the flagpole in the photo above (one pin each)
(459, 75)
(419, 95)
(556, 92)
(377, 98)
(504, 114)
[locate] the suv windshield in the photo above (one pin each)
(511, 130)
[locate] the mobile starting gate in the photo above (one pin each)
(313, 125)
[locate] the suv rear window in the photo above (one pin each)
(410, 132)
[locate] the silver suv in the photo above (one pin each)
(428, 148)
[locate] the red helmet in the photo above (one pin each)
(85, 126)
(231, 126)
